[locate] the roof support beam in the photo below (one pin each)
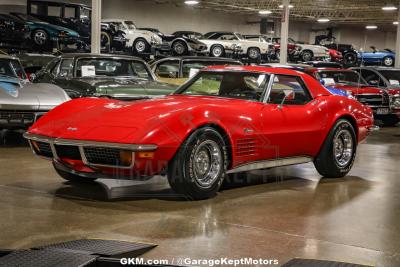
(284, 32)
(96, 28)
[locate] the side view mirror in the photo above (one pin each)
(288, 95)
(373, 82)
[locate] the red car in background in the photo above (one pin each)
(336, 56)
(223, 121)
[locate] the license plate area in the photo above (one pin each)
(382, 111)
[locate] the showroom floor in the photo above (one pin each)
(282, 213)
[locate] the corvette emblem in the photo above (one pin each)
(72, 129)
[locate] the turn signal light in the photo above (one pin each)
(146, 155)
(126, 157)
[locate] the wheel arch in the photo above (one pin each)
(351, 120)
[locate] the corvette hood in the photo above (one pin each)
(20, 96)
(100, 119)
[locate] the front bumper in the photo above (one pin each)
(13, 120)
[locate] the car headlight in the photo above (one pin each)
(396, 101)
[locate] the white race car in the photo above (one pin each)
(253, 49)
(140, 41)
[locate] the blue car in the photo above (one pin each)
(336, 91)
(375, 57)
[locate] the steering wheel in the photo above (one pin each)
(248, 93)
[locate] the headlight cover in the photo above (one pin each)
(396, 101)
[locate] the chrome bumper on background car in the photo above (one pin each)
(18, 119)
(91, 153)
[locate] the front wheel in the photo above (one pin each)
(140, 46)
(73, 177)
(388, 61)
(338, 152)
(253, 53)
(40, 38)
(198, 169)
(307, 56)
(105, 40)
(179, 48)
(350, 59)
(217, 51)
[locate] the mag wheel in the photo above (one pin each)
(74, 178)
(338, 151)
(179, 48)
(350, 59)
(253, 53)
(140, 46)
(198, 169)
(217, 51)
(388, 61)
(40, 37)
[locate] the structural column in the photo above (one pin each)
(96, 28)
(397, 60)
(284, 32)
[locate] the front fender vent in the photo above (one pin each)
(246, 147)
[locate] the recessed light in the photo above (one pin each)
(290, 6)
(371, 27)
(395, 23)
(389, 8)
(264, 12)
(323, 20)
(191, 2)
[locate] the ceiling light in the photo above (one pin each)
(371, 27)
(264, 12)
(389, 8)
(191, 2)
(323, 20)
(395, 23)
(290, 6)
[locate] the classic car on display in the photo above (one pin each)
(13, 32)
(139, 41)
(179, 45)
(34, 62)
(308, 52)
(253, 49)
(224, 120)
(21, 102)
(43, 33)
(384, 78)
(76, 17)
(336, 56)
(274, 54)
(103, 75)
(375, 57)
(349, 54)
(177, 70)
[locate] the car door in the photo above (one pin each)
(293, 121)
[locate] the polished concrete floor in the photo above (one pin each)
(280, 214)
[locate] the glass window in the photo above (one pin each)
(54, 11)
(86, 14)
(168, 69)
(66, 68)
(393, 76)
(112, 67)
(288, 90)
(347, 77)
(371, 77)
(192, 67)
(19, 70)
(69, 12)
(34, 9)
(6, 68)
(247, 86)
(130, 24)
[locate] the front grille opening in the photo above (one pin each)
(69, 152)
(42, 149)
(108, 156)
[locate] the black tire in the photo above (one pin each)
(307, 55)
(217, 51)
(140, 46)
(179, 48)
(326, 162)
(40, 38)
(253, 53)
(388, 61)
(350, 59)
(390, 120)
(183, 170)
(74, 178)
(105, 41)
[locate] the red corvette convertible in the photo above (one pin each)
(224, 120)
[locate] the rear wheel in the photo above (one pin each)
(253, 53)
(198, 169)
(338, 151)
(179, 48)
(140, 46)
(217, 51)
(307, 55)
(105, 40)
(40, 38)
(388, 61)
(73, 177)
(350, 59)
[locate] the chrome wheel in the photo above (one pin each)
(140, 46)
(179, 48)
(40, 37)
(206, 163)
(217, 51)
(388, 61)
(253, 53)
(343, 147)
(307, 56)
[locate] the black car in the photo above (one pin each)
(76, 17)
(350, 57)
(13, 32)
(180, 43)
(121, 77)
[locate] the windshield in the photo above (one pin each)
(190, 68)
(28, 18)
(393, 76)
(85, 13)
(347, 77)
(246, 85)
(11, 68)
(112, 67)
(239, 36)
(130, 25)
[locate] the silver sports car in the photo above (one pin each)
(22, 102)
